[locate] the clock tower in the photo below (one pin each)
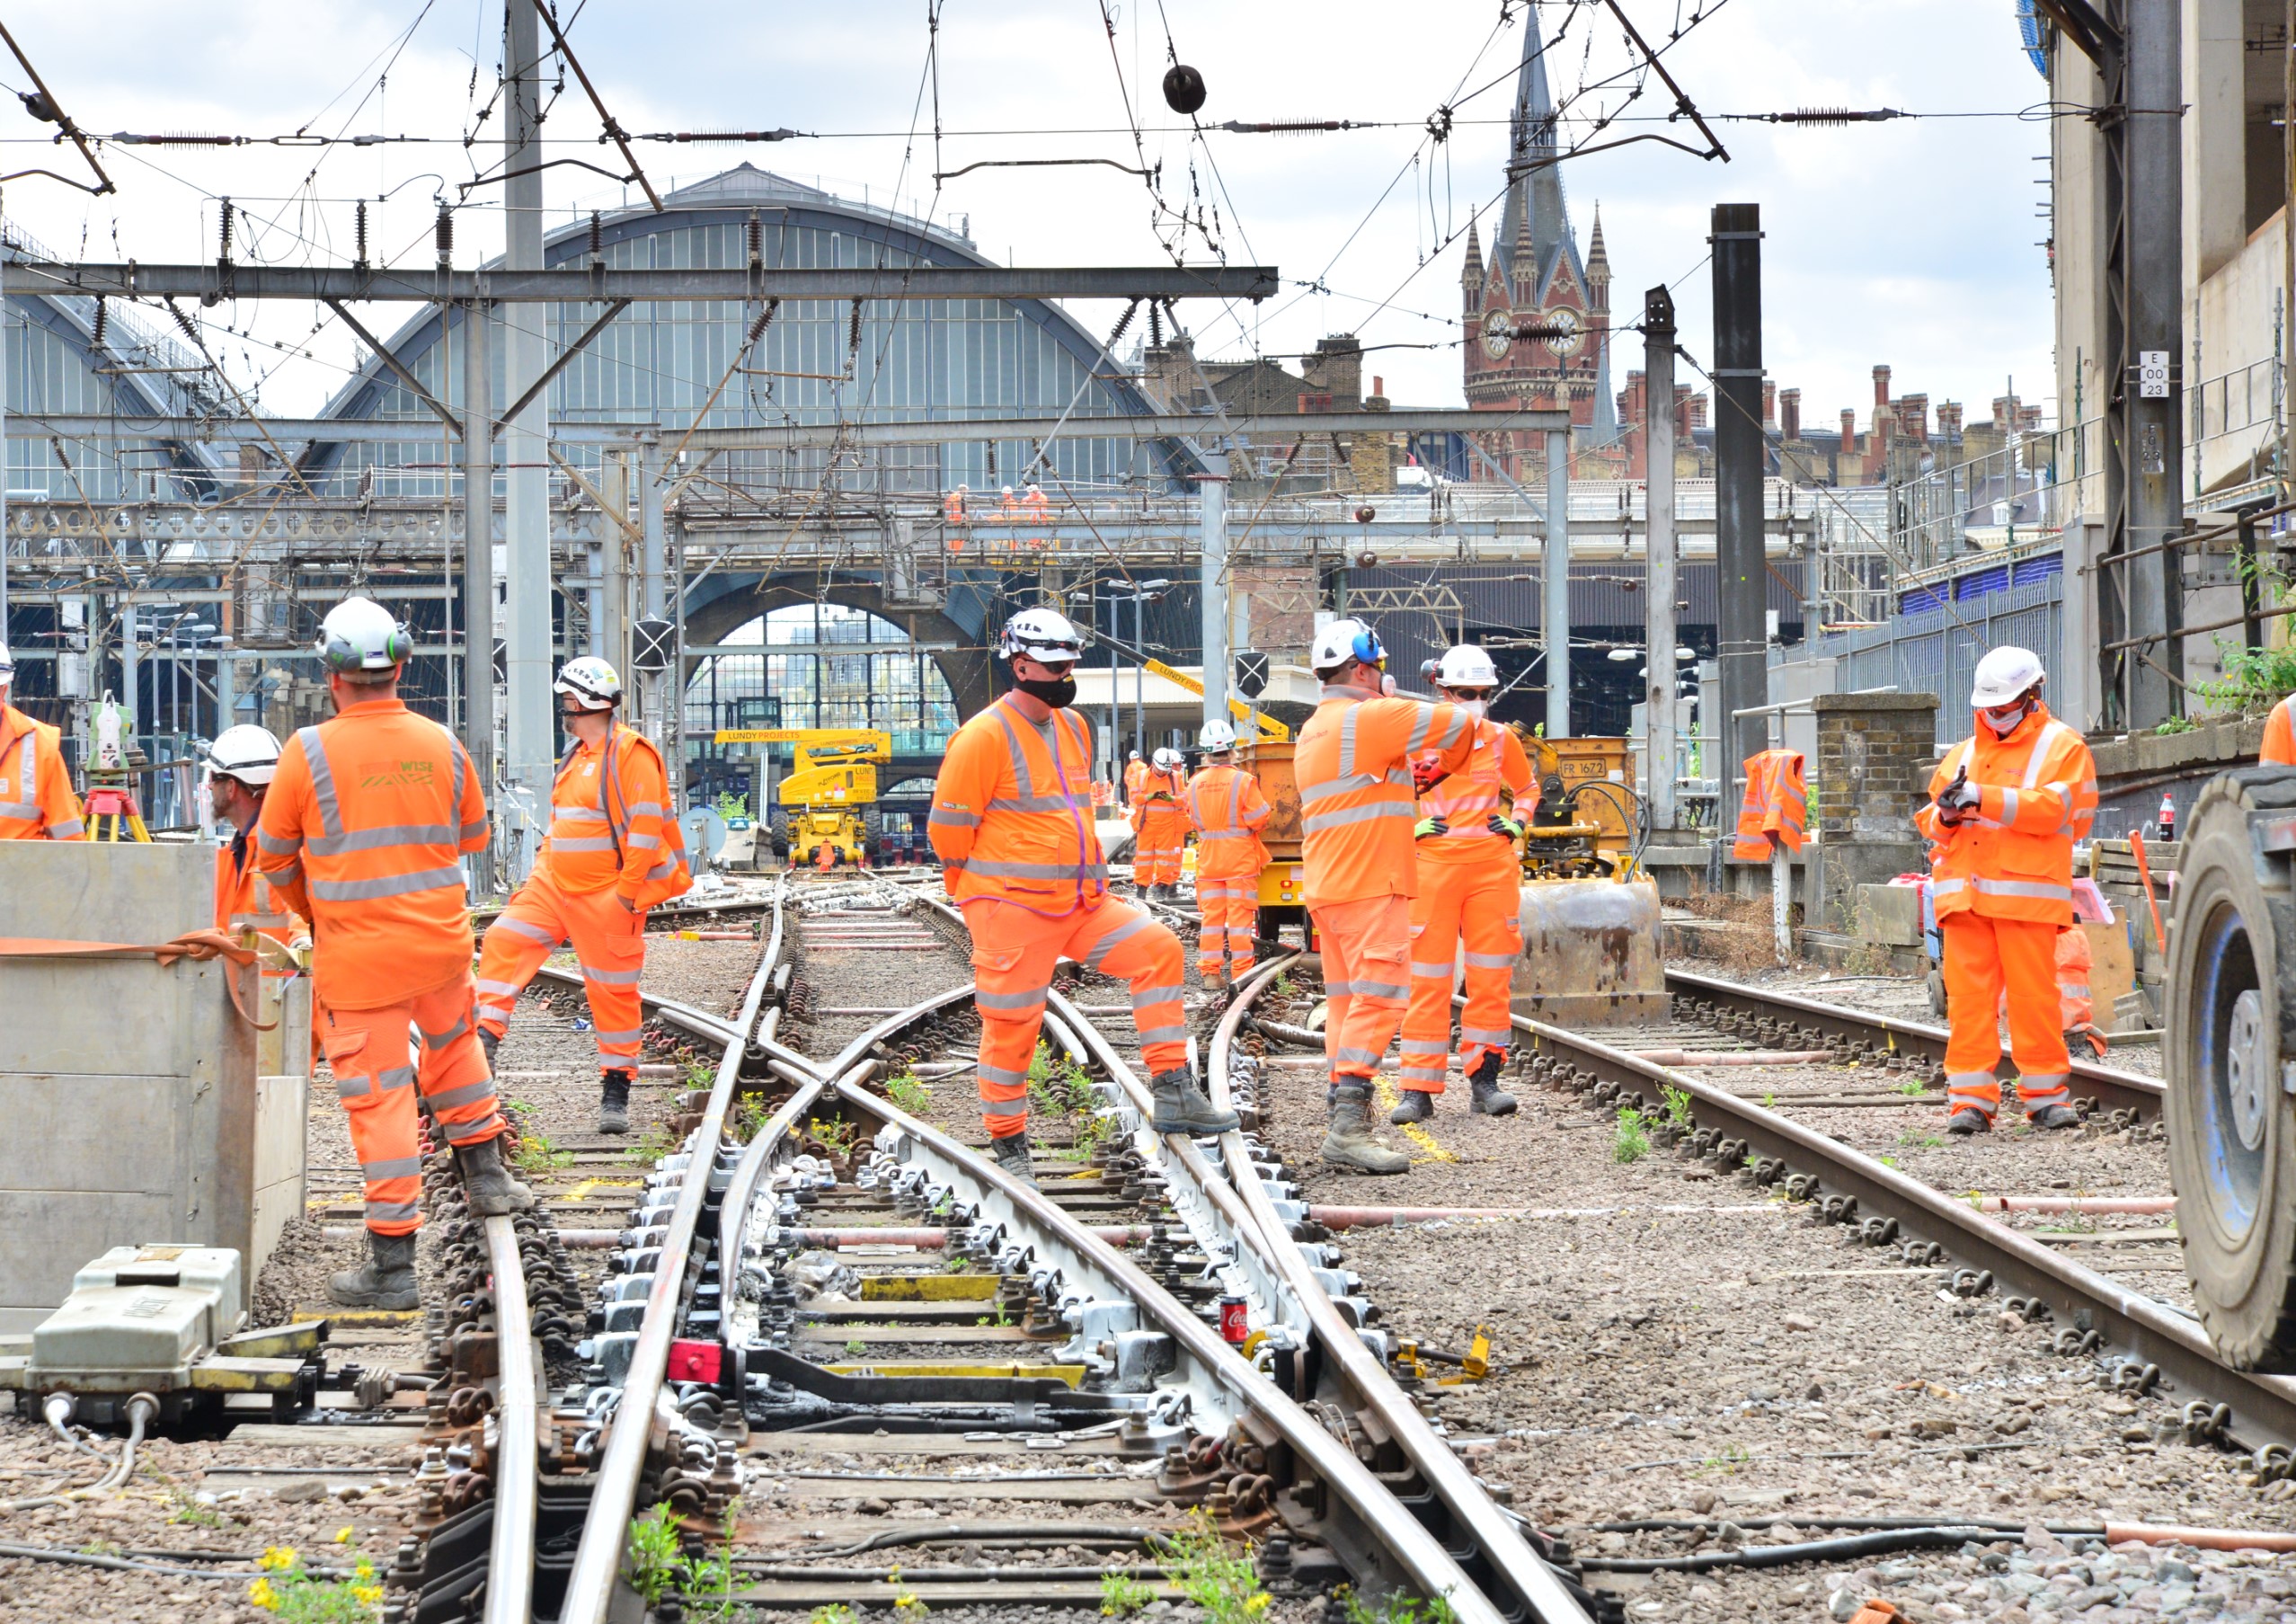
(1538, 314)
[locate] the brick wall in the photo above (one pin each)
(1869, 777)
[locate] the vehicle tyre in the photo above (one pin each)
(2231, 1120)
(1936, 984)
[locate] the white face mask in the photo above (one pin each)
(1477, 708)
(2007, 722)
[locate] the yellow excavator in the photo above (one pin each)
(829, 801)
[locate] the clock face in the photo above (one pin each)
(1564, 334)
(1498, 334)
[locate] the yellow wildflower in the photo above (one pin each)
(1257, 1605)
(342, 1534)
(264, 1596)
(370, 1595)
(276, 1558)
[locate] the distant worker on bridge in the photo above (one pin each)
(1357, 816)
(613, 852)
(2006, 805)
(1012, 822)
(362, 833)
(36, 798)
(1226, 810)
(1160, 829)
(2279, 735)
(1470, 900)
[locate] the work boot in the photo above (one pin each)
(1490, 1099)
(1182, 1107)
(489, 1041)
(614, 1102)
(2055, 1116)
(1011, 1151)
(385, 1281)
(1418, 1106)
(1348, 1142)
(487, 1184)
(1967, 1121)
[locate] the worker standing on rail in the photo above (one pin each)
(1352, 765)
(1136, 772)
(2006, 805)
(2279, 735)
(1012, 822)
(361, 833)
(1226, 810)
(1470, 900)
(240, 765)
(614, 851)
(36, 798)
(1160, 829)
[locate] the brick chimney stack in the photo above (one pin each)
(1790, 413)
(1769, 403)
(1848, 431)
(1881, 386)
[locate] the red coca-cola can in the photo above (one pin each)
(1235, 1320)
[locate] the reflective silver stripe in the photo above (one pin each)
(1347, 742)
(1484, 1035)
(69, 829)
(644, 808)
(462, 770)
(1101, 949)
(2008, 807)
(1967, 1082)
(26, 809)
(1033, 998)
(475, 1133)
(392, 1166)
(1421, 725)
(1358, 1057)
(1164, 1035)
(1221, 834)
(999, 1107)
(1420, 1045)
(468, 1094)
(1367, 989)
(393, 885)
(1371, 811)
(1310, 793)
(352, 1087)
(611, 978)
(581, 814)
(322, 780)
(1941, 888)
(643, 842)
(949, 818)
(1037, 871)
(519, 927)
(276, 847)
(383, 838)
(2047, 1088)
(563, 843)
(1031, 804)
(392, 1211)
(508, 989)
(2041, 744)
(1452, 733)
(998, 1074)
(475, 832)
(1430, 970)
(1491, 961)
(441, 1039)
(2022, 888)
(632, 1036)
(1156, 997)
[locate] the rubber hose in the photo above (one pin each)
(1284, 1032)
(1879, 1543)
(1045, 1534)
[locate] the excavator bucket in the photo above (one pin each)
(1593, 953)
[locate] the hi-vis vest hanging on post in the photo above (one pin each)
(1776, 805)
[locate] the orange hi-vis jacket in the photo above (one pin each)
(952, 507)
(1135, 775)
(2279, 735)
(245, 899)
(1012, 811)
(362, 830)
(1356, 804)
(1224, 805)
(1465, 799)
(610, 822)
(2011, 855)
(1158, 801)
(1776, 805)
(36, 798)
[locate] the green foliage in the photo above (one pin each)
(836, 1612)
(651, 1146)
(1920, 1142)
(838, 1138)
(2254, 679)
(1630, 1142)
(288, 1590)
(1283, 987)
(1227, 1587)
(1122, 1595)
(906, 1089)
(855, 1347)
(651, 1561)
(535, 1152)
(731, 805)
(1913, 1085)
(187, 1510)
(750, 1115)
(1394, 1609)
(2177, 724)
(1677, 1105)
(706, 1582)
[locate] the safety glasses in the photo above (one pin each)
(1470, 694)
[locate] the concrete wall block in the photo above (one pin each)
(1889, 915)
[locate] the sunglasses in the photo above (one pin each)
(1472, 693)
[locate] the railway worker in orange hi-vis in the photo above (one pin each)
(1352, 765)
(1012, 824)
(1226, 810)
(2279, 735)
(1160, 829)
(362, 833)
(1136, 772)
(614, 851)
(2005, 806)
(1470, 900)
(1038, 511)
(36, 798)
(241, 763)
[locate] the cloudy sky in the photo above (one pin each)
(1912, 243)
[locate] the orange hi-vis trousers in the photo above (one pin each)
(1478, 903)
(1156, 849)
(377, 1072)
(1366, 945)
(1013, 951)
(1228, 911)
(608, 940)
(1983, 957)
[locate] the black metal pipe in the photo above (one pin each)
(1880, 1543)
(1740, 567)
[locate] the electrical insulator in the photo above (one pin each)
(223, 244)
(1156, 327)
(101, 320)
(1184, 88)
(359, 234)
(597, 238)
(756, 229)
(1122, 321)
(445, 233)
(853, 338)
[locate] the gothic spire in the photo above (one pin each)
(1535, 206)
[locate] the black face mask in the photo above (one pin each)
(1060, 693)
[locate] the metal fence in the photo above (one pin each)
(1936, 651)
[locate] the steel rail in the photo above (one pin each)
(2264, 1408)
(2112, 1087)
(510, 1551)
(1513, 1563)
(597, 1559)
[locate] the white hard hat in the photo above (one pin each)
(1466, 666)
(246, 752)
(1218, 735)
(2003, 675)
(592, 681)
(1166, 759)
(1341, 640)
(1136, 754)
(1042, 635)
(360, 635)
